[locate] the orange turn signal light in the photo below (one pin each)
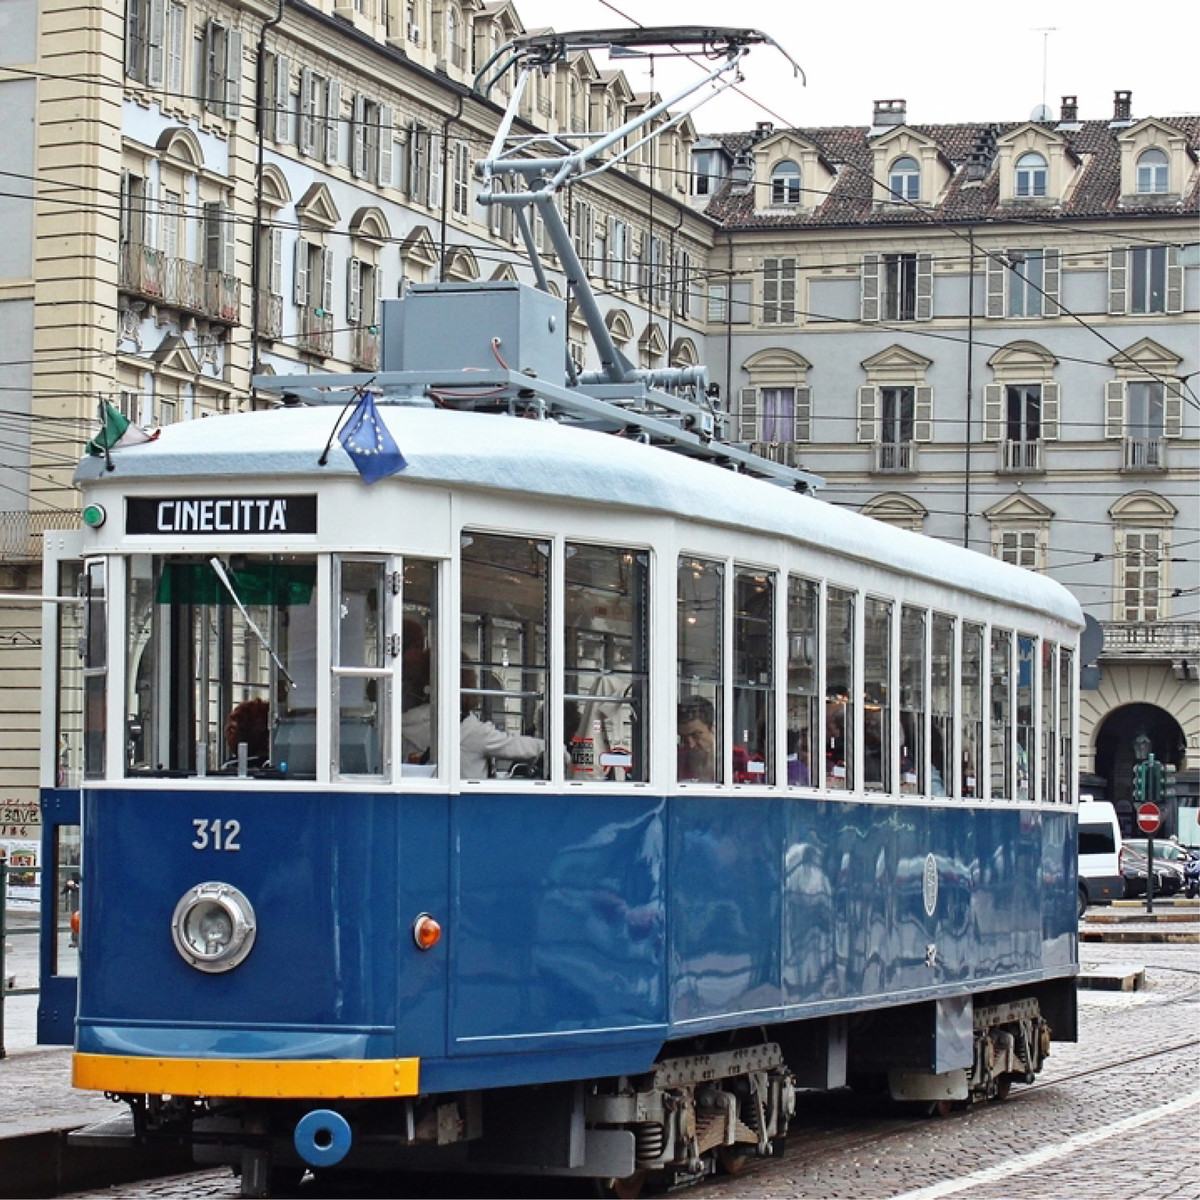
(426, 932)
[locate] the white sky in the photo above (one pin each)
(951, 60)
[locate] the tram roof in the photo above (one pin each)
(545, 458)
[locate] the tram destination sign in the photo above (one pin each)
(237, 516)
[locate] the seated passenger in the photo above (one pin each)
(480, 741)
(697, 741)
(249, 722)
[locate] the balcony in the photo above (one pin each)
(179, 283)
(366, 347)
(1151, 639)
(1018, 458)
(894, 458)
(787, 453)
(270, 315)
(1144, 454)
(315, 335)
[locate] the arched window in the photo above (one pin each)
(904, 179)
(1031, 175)
(1152, 171)
(785, 183)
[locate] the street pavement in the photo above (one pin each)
(1115, 1116)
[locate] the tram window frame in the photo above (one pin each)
(488, 736)
(700, 695)
(914, 699)
(421, 715)
(1023, 719)
(878, 656)
(841, 706)
(943, 675)
(1001, 716)
(803, 679)
(1047, 724)
(971, 756)
(1066, 723)
(94, 656)
(606, 726)
(69, 705)
(754, 655)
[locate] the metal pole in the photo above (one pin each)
(1150, 873)
(3, 939)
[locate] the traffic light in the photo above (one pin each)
(1139, 783)
(1154, 777)
(1168, 783)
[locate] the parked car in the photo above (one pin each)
(1168, 875)
(1100, 876)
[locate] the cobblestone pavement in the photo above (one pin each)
(1115, 1116)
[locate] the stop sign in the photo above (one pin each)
(1148, 818)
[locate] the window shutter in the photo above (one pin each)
(924, 287)
(176, 44)
(134, 17)
(358, 136)
(155, 42)
(1052, 282)
(993, 412)
(282, 99)
(327, 281)
(354, 292)
(1172, 408)
(333, 113)
(748, 415)
(1114, 408)
(306, 135)
(212, 236)
(233, 74)
(803, 432)
(645, 268)
(300, 274)
(387, 123)
(870, 294)
(770, 294)
(1174, 281)
(923, 414)
(1118, 273)
(228, 240)
(434, 198)
(275, 278)
(997, 274)
(787, 290)
(1050, 410)
(866, 413)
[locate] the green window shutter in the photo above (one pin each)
(1052, 282)
(1050, 393)
(870, 290)
(1118, 285)
(923, 414)
(866, 413)
(924, 288)
(1114, 408)
(748, 415)
(997, 274)
(993, 412)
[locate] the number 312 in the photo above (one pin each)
(216, 834)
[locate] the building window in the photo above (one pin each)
(779, 291)
(1153, 172)
(894, 448)
(1140, 554)
(144, 37)
(1030, 180)
(461, 177)
(904, 179)
(1148, 279)
(706, 172)
(1019, 547)
(785, 183)
(1026, 283)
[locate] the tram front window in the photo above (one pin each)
(221, 665)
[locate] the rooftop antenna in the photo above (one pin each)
(1045, 31)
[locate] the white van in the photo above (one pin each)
(1100, 876)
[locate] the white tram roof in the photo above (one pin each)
(545, 458)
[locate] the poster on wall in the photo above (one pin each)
(22, 857)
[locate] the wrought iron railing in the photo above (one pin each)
(1151, 639)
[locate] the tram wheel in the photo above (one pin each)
(1003, 1085)
(732, 1160)
(941, 1108)
(629, 1188)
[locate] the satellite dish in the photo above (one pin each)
(1042, 113)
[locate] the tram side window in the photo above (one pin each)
(221, 665)
(505, 607)
(753, 676)
(69, 707)
(361, 670)
(972, 707)
(1001, 724)
(419, 668)
(839, 689)
(95, 667)
(1048, 791)
(877, 705)
(700, 625)
(1025, 762)
(802, 701)
(941, 695)
(913, 655)
(605, 657)
(1066, 723)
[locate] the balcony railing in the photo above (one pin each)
(316, 332)
(787, 453)
(1151, 639)
(894, 458)
(1144, 454)
(1016, 457)
(366, 347)
(270, 315)
(180, 283)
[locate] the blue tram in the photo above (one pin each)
(553, 802)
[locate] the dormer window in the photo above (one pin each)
(1153, 172)
(1030, 176)
(785, 183)
(904, 179)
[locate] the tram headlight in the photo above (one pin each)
(213, 927)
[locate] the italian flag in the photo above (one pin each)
(119, 431)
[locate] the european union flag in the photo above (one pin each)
(371, 447)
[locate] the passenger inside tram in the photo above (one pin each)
(481, 744)
(697, 740)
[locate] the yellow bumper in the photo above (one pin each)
(262, 1079)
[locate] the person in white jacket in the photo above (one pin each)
(479, 741)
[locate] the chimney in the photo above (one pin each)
(1122, 106)
(889, 112)
(1070, 110)
(763, 130)
(742, 174)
